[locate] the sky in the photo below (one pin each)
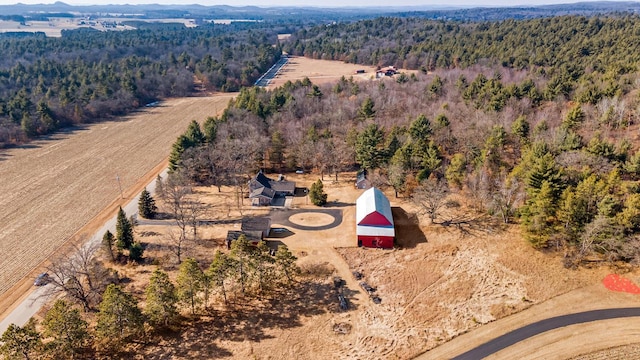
(315, 3)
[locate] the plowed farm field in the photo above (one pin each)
(51, 188)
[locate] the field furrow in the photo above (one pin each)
(51, 188)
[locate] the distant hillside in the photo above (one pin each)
(503, 13)
(311, 14)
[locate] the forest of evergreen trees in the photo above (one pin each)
(48, 83)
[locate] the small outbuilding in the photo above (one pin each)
(362, 181)
(374, 220)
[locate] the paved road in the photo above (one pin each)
(272, 72)
(536, 328)
(36, 299)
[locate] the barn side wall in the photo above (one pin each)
(384, 242)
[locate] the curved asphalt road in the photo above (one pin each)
(510, 338)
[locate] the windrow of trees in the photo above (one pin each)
(48, 83)
(581, 58)
(485, 133)
(246, 272)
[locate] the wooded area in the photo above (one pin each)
(49, 83)
(541, 137)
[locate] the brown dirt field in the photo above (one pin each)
(52, 188)
(321, 71)
(441, 283)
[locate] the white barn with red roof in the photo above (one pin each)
(374, 220)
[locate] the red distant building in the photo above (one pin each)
(374, 220)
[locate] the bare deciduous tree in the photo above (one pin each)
(79, 276)
(507, 195)
(431, 197)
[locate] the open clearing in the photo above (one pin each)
(319, 71)
(440, 283)
(52, 188)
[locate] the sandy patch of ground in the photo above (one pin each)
(52, 188)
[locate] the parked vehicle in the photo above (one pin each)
(42, 279)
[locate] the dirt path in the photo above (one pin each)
(56, 191)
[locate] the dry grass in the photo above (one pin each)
(442, 282)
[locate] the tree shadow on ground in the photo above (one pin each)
(408, 232)
(250, 320)
(337, 203)
(472, 224)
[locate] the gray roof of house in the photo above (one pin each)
(283, 186)
(256, 224)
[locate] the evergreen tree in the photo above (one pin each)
(68, 331)
(315, 92)
(456, 171)
(262, 266)
(147, 205)
(21, 342)
(108, 242)
(175, 156)
(574, 118)
(420, 129)
(366, 110)
(317, 195)
(539, 215)
(161, 300)
(194, 134)
(241, 251)
(520, 128)
(210, 128)
(119, 319)
(28, 125)
(136, 252)
(124, 231)
(629, 218)
(286, 266)
(190, 283)
(370, 151)
(219, 272)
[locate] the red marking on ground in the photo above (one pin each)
(616, 282)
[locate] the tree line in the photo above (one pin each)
(581, 58)
(49, 83)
